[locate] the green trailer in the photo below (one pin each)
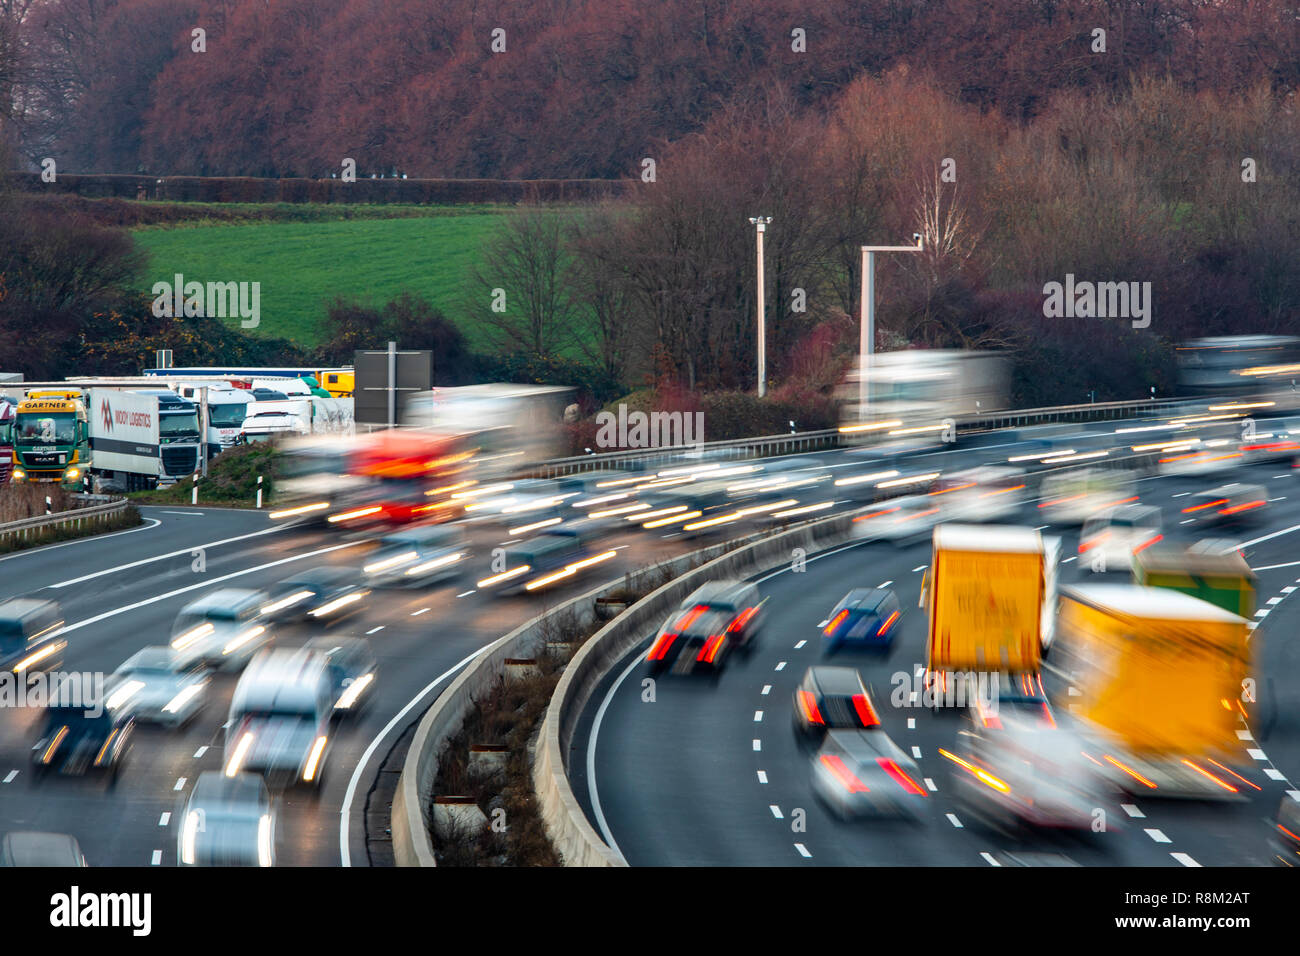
(1224, 580)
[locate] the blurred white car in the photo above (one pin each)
(1071, 498)
(159, 685)
(227, 821)
(912, 516)
(1110, 540)
(224, 628)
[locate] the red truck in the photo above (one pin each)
(7, 409)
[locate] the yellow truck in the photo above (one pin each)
(1161, 677)
(985, 593)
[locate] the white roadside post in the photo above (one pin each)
(259, 491)
(760, 225)
(867, 340)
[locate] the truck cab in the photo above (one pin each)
(51, 437)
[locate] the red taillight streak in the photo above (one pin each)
(1237, 775)
(875, 514)
(710, 649)
(865, 712)
(1048, 714)
(1242, 507)
(889, 621)
(836, 621)
(1146, 544)
(901, 778)
(741, 620)
(808, 703)
(842, 773)
(1208, 504)
(661, 647)
(1205, 773)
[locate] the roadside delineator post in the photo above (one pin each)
(259, 491)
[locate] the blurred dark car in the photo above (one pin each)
(327, 594)
(832, 698)
(865, 617)
(75, 741)
(716, 618)
(1286, 833)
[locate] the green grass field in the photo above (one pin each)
(303, 265)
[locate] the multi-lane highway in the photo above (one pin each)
(122, 592)
(704, 773)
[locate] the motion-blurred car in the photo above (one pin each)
(831, 698)
(79, 740)
(31, 636)
(865, 617)
(1109, 540)
(224, 628)
(899, 520)
(1233, 504)
(1286, 833)
(1206, 458)
(555, 556)
(717, 617)
(352, 667)
(326, 594)
(419, 555)
(1029, 774)
(160, 685)
(29, 848)
(1019, 699)
(986, 494)
(279, 722)
(1072, 497)
(1276, 439)
(861, 773)
(227, 821)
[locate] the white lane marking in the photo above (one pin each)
(180, 784)
(913, 698)
(1074, 692)
(423, 610)
(781, 666)
(1288, 589)
(1182, 494)
(374, 629)
(989, 859)
(156, 859)
(1282, 476)
(803, 851)
(1274, 600)
(1184, 859)
(823, 623)
(776, 811)
(1273, 773)
(1129, 808)
(758, 716)
(1294, 795)
(921, 568)
(1269, 537)
(767, 689)
(149, 523)
(164, 819)
(952, 818)
(1187, 521)
(1073, 557)
(9, 777)
(758, 745)
(163, 557)
(1283, 498)
(204, 584)
(1256, 753)
(466, 593)
(929, 785)
(800, 645)
(1244, 735)
(346, 809)
(762, 776)
(1262, 612)
(911, 723)
(884, 584)
(200, 752)
(916, 752)
(1157, 835)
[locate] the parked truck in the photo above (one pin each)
(513, 425)
(984, 594)
(308, 415)
(1161, 677)
(7, 409)
(95, 438)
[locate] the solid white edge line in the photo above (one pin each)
(161, 557)
(345, 809)
(90, 537)
(592, 790)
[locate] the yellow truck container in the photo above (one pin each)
(1160, 675)
(985, 595)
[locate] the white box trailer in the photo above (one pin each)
(131, 443)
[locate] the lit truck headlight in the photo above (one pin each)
(18, 475)
(72, 474)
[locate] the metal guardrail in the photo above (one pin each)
(796, 442)
(78, 517)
